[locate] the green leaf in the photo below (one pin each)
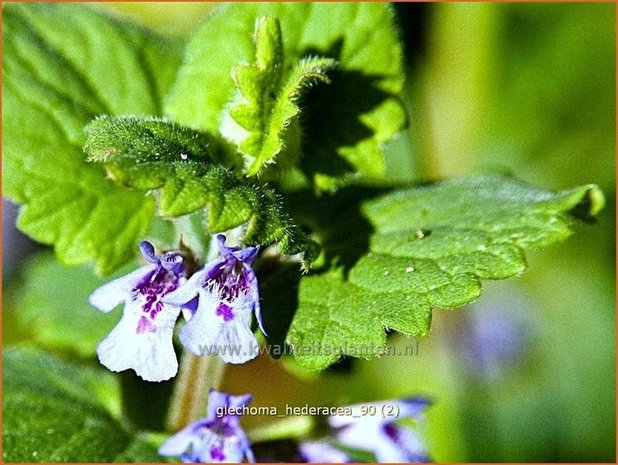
(186, 167)
(427, 247)
(64, 64)
(140, 451)
(148, 153)
(54, 412)
(53, 304)
(264, 110)
(342, 134)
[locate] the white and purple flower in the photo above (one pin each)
(390, 442)
(227, 295)
(142, 340)
(321, 452)
(216, 438)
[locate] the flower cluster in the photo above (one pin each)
(379, 434)
(219, 437)
(214, 438)
(217, 302)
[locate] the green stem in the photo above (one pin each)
(197, 375)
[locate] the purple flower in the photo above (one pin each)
(496, 334)
(227, 294)
(216, 438)
(369, 429)
(142, 340)
(321, 452)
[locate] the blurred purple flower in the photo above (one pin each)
(379, 434)
(216, 438)
(496, 333)
(227, 294)
(321, 452)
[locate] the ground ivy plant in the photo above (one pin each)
(235, 185)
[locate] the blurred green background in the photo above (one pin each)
(527, 373)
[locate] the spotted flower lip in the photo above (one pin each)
(390, 442)
(142, 340)
(218, 302)
(216, 438)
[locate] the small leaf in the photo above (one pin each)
(342, 134)
(186, 167)
(426, 248)
(263, 110)
(54, 412)
(64, 64)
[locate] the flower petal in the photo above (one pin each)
(370, 436)
(221, 400)
(387, 451)
(363, 434)
(243, 446)
(408, 441)
(340, 421)
(320, 452)
(217, 400)
(112, 294)
(148, 252)
(224, 251)
(412, 406)
(207, 333)
(254, 294)
(210, 448)
(246, 255)
(189, 309)
(240, 342)
(240, 401)
(173, 261)
(187, 291)
(177, 444)
(215, 438)
(200, 332)
(249, 453)
(141, 344)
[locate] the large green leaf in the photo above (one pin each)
(186, 166)
(425, 248)
(62, 65)
(344, 124)
(54, 412)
